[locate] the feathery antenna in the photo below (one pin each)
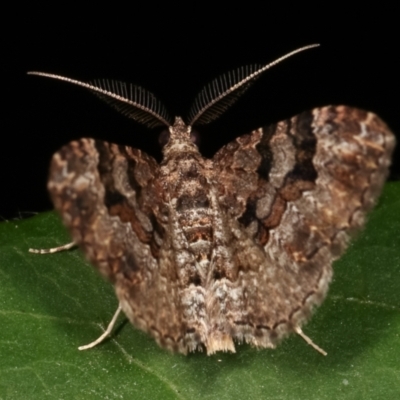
(133, 101)
(142, 106)
(222, 92)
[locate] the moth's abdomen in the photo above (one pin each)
(194, 216)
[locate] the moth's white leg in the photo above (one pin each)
(298, 330)
(106, 332)
(53, 249)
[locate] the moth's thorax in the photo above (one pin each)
(179, 140)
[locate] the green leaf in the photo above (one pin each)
(51, 304)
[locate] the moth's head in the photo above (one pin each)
(178, 138)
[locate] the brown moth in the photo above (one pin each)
(205, 252)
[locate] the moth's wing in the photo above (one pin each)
(292, 194)
(111, 200)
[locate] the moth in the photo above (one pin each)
(202, 252)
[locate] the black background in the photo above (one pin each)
(174, 52)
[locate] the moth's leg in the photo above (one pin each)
(106, 332)
(298, 330)
(53, 249)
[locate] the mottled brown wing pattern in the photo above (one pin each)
(111, 201)
(293, 194)
(204, 252)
